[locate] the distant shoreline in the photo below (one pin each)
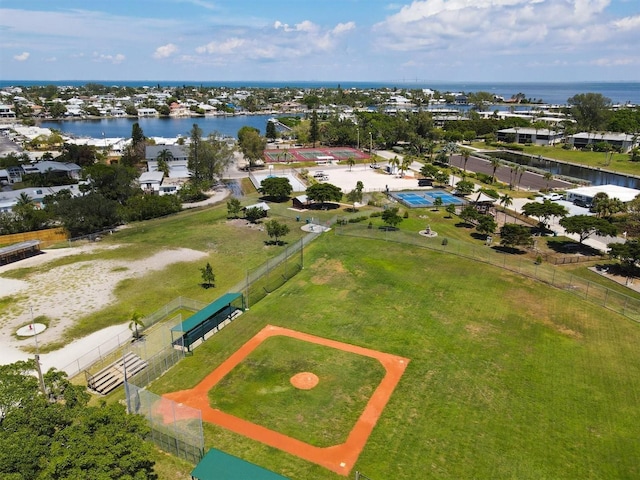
(552, 93)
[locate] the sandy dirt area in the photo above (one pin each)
(66, 293)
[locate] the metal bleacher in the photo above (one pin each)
(112, 376)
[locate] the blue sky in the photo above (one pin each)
(321, 40)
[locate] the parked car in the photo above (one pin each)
(553, 197)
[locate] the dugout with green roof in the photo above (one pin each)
(197, 326)
(217, 465)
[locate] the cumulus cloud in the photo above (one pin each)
(280, 42)
(21, 57)
(493, 25)
(343, 27)
(115, 59)
(165, 51)
(225, 47)
(628, 23)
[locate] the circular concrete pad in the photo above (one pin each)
(31, 329)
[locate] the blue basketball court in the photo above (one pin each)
(423, 199)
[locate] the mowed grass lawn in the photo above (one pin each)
(508, 378)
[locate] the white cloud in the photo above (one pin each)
(305, 26)
(494, 25)
(628, 23)
(21, 57)
(343, 27)
(225, 47)
(165, 51)
(115, 59)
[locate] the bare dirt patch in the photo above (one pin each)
(326, 270)
(66, 293)
(304, 380)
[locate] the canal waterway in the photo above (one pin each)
(590, 175)
(158, 126)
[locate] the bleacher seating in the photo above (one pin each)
(112, 376)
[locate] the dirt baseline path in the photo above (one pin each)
(337, 458)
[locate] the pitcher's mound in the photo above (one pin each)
(304, 380)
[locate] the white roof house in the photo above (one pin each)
(622, 141)
(151, 181)
(261, 206)
(624, 194)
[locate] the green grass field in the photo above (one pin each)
(322, 416)
(508, 378)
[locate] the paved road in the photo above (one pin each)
(530, 180)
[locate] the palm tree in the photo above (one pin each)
(465, 157)
(520, 169)
(430, 148)
(495, 163)
(404, 166)
(163, 158)
(548, 176)
(135, 321)
(24, 200)
(394, 162)
(513, 169)
(506, 201)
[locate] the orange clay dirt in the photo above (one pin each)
(337, 458)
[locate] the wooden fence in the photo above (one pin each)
(47, 237)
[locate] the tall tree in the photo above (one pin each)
(512, 235)
(314, 129)
(506, 201)
(590, 110)
(233, 207)
(276, 230)
(279, 188)
(60, 436)
(271, 132)
(391, 217)
(138, 142)
(495, 164)
(194, 163)
(251, 144)
(587, 225)
(208, 277)
(324, 192)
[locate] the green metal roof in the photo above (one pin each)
(217, 465)
(208, 311)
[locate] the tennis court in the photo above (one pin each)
(422, 199)
(325, 154)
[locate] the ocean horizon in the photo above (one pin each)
(554, 93)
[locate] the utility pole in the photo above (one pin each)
(37, 355)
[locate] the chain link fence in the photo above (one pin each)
(153, 340)
(175, 428)
(591, 291)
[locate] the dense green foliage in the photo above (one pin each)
(61, 437)
(278, 188)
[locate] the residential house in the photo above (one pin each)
(178, 165)
(620, 141)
